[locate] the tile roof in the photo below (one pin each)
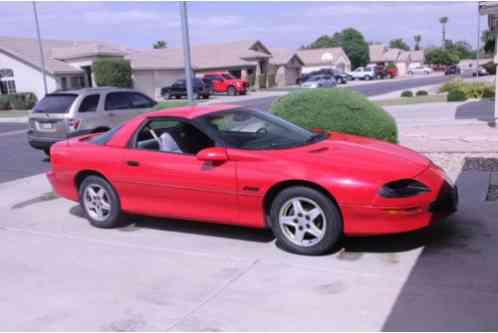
(281, 56)
(312, 57)
(380, 53)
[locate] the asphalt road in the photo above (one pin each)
(20, 160)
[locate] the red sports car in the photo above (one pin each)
(226, 164)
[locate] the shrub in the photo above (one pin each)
(489, 92)
(19, 101)
(341, 110)
(421, 93)
(456, 95)
(490, 67)
(112, 72)
(4, 103)
(470, 89)
(407, 93)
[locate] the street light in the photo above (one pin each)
(42, 57)
(186, 51)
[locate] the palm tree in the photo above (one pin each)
(443, 20)
(160, 44)
(417, 39)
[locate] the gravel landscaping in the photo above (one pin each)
(454, 163)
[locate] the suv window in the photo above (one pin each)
(90, 103)
(139, 101)
(117, 101)
(55, 103)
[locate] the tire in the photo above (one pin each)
(206, 96)
(167, 96)
(98, 187)
(231, 91)
(195, 96)
(316, 235)
(367, 78)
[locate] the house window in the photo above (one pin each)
(63, 83)
(7, 83)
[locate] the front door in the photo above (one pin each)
(121, 106)
(161, 175)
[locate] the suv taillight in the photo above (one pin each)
(73, 124)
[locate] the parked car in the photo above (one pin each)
(340, 77)
(60, 115)
(223, 164)
(453, 70)
(226, 83)
(419, 70)
(320, 81)
(179, 89)
(382, 71)
(481, 71)
(363, 73)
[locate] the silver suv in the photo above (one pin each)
(61, 115)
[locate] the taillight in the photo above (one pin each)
(73, 124)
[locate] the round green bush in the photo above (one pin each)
(489, 92)
(341, 110)
(407, 93)
(456, 95)
(4, 103)
(421, 93)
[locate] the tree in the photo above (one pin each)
(441, 56)
(112, 72)
(399, 43)
(417, 39)
(352, 42)
(489, 42)
(160, 44)
(461, 48)
(443, 20)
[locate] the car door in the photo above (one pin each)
(118, 107)
(178, 88)
(174, 183)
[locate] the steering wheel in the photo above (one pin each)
(262, 130)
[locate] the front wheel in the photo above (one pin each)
(231, 91)
(305, 221)
(100, 202)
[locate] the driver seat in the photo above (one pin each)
(168, 144)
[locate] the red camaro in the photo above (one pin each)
(225, 164)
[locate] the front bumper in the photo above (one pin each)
(404, 215)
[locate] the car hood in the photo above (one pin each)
(363, 156)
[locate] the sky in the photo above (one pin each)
(276, 24)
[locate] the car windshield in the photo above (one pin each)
(228, 77)
(315, 78)
(55, 103)
(256, 130)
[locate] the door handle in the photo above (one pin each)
(133, 163)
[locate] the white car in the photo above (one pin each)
(420, 70)
(363, 73)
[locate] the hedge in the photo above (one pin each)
(407, 93)
(421, 93)
(456, 95)
(112, 72)
(341, 110)
(18, 101)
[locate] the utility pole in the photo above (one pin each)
(478, 41)
(42, 57)
(186, 51)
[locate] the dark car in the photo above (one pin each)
(452, 70)
(341, 78)
(179, 89)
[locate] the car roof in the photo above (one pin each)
(190, 112)
(92, 90)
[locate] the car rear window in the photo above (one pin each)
(55, 103)
(105, 137)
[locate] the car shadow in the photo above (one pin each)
(136, 223)
(453, 285)
(482, 110)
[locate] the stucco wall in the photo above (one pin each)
(27, 78)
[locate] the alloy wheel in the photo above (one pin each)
(302, 221)
(97, 202)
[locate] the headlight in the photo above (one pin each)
(403, 188)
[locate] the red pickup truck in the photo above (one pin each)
(221, 82)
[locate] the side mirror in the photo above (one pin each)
(213, 154)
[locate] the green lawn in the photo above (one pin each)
(412, 100)
(14, 113)
(171, 104)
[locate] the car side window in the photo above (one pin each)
(172, 136)
(139, 101)
(117, 101)
(89, 103)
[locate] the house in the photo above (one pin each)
(69, 63)
(316, 59)
(404, 60)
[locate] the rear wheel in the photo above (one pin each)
(231, 91)
(100, 202)
(305, 221)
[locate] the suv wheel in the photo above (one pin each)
(167, 96)
(305, 221)
(100, 202)
(231, 91)
(367, 77)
